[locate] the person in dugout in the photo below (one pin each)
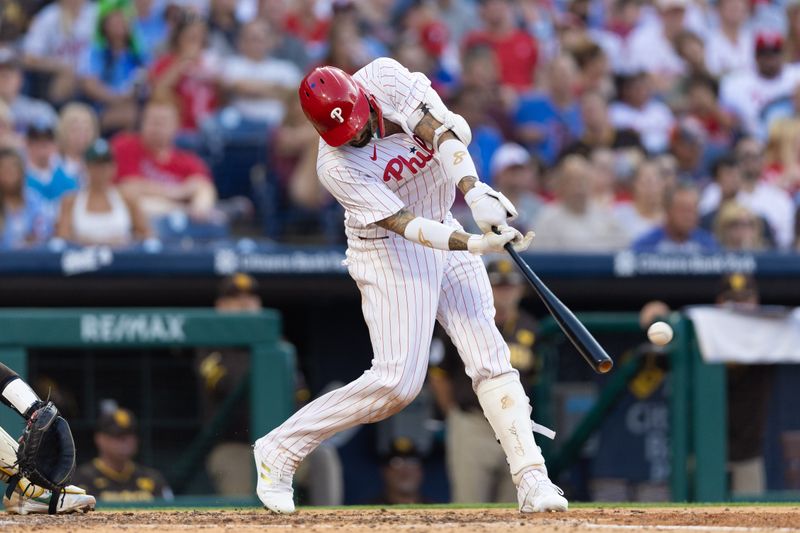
(113, 475)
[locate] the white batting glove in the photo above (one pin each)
(489, 207)
(492, 243)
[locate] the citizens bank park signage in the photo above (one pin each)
(298, 262)
(629, 264)
(282, 260)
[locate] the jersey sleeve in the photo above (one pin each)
(37, 38)
(365, 198)
(729, 88)
(196, 167)
(405, 90)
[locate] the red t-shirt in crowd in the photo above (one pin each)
(516, 53)
(316, 33)
(195, 92)
(134, 160)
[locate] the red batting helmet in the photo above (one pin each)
(335, 103)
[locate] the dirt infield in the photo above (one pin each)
(712, 519)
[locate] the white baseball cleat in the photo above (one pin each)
(72, 500)
(536, 493)
(273, 489)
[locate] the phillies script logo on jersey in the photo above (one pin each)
(417, 161)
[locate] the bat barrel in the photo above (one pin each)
(575, 331)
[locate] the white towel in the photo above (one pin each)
(766, 335)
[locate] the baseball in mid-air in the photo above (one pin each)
(659, 333)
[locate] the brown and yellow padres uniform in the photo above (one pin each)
(135, 483)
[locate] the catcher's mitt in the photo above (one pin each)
(46, 454)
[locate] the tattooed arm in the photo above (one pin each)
(436, 235)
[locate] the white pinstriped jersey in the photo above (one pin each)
(377, 180)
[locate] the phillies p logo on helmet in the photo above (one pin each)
(335, 104)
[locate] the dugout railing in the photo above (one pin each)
(271, 384)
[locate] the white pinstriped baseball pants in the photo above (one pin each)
(404, 288)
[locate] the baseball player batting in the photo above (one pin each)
(393, 155)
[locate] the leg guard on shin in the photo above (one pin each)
(9, 471)
(508, 410)
(8, 456)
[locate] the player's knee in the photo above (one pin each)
(407, 396)
(397, 392)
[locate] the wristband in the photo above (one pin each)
(429, 233)
(19, 395)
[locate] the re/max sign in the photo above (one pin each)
(132, 328)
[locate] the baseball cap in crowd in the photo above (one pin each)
(118, 422)
(99, 152)
(40, 131)
(665, 5)
(769, 42)
(9, 58)
(238, 284)
(434, 37)
(691, 130)
(401, 448)
(737, 287)
(508, 155)
(503, 272)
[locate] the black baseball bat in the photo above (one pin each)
(576, 332)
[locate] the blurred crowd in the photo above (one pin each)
(663, 125)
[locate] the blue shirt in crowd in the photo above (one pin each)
(118, 72)
(28, 222)
(485, 140)
(61, 182)
(559, 126)
(151, 29)
(658, 241)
